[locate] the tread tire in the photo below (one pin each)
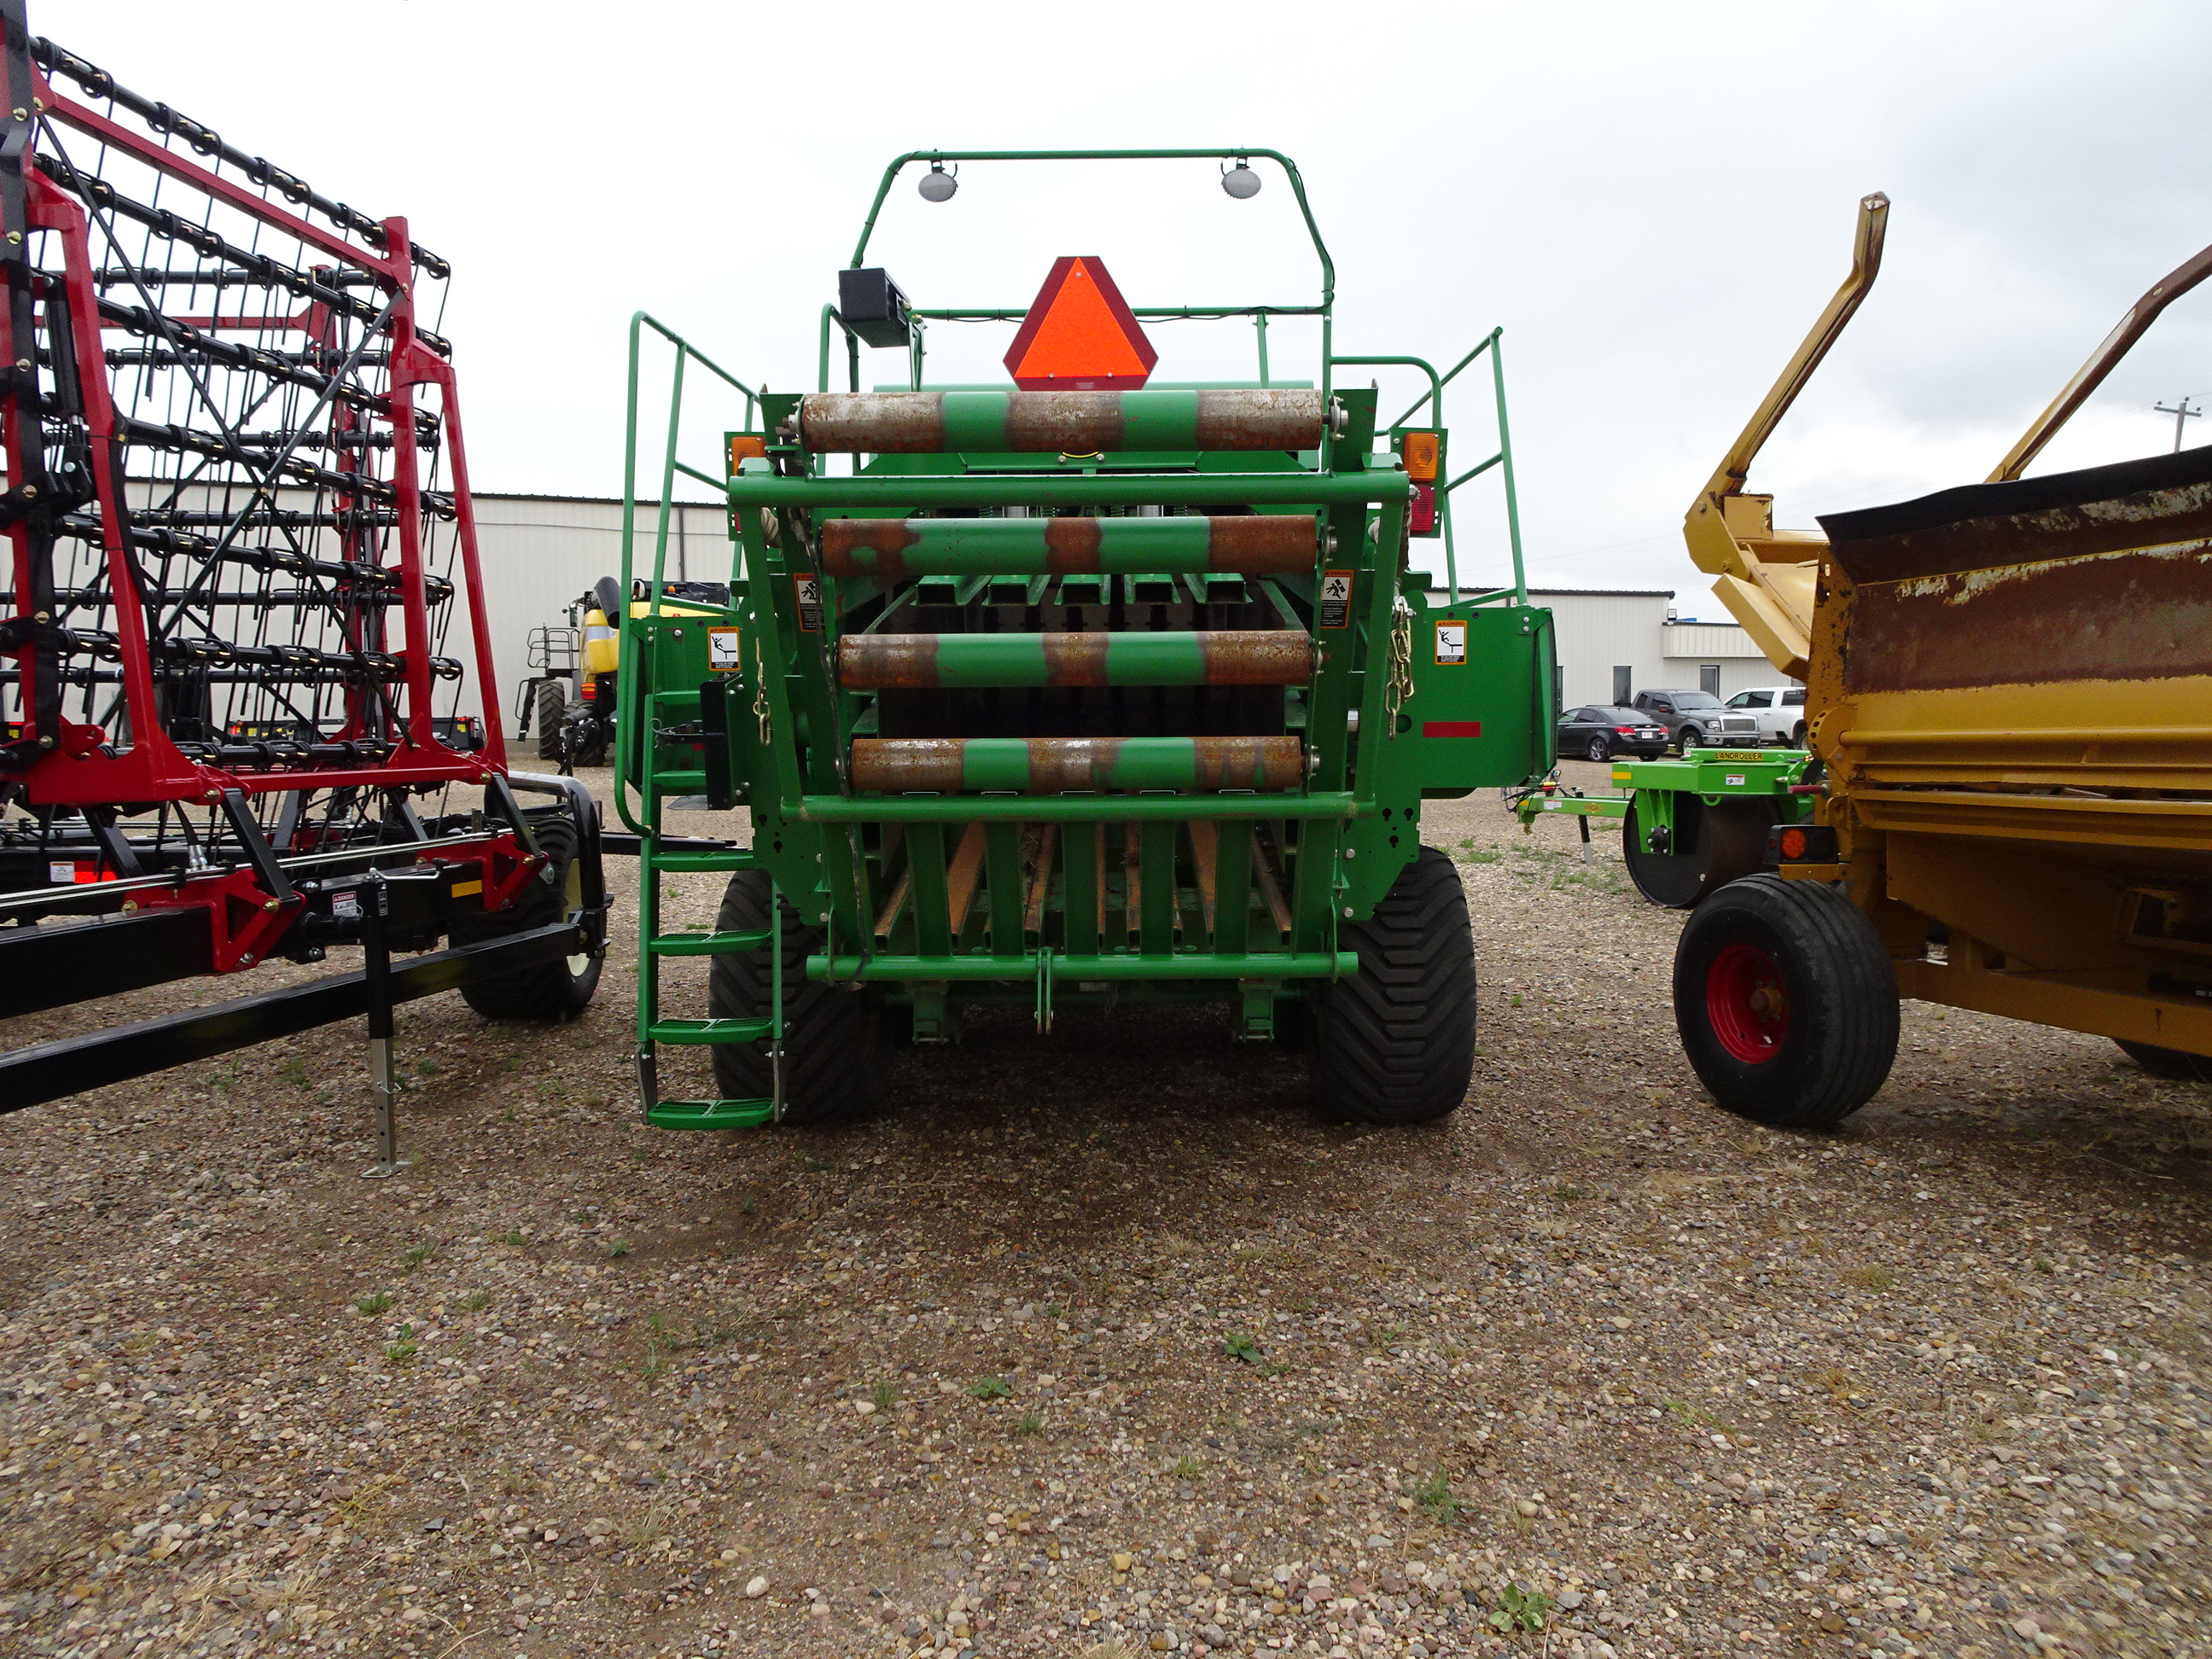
(549, 708)
(1840, 991)
(557, 990)
(836, 1050)
(1395, 1043)
(2175, 1063)
(1599, 749)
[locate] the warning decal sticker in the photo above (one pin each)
(1335, 598)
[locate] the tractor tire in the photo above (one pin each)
(2173, 1063)
(558, 990)
(836, 1050)
(1714, 846)
(548, 706)
(1785, 1002)
(1395, 1043)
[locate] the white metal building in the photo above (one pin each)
(538, 553)
(1614, 643)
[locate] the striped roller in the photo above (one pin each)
(891, 550)
(1052, 766)
(874, 662)
(1057, 423)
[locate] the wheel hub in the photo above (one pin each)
(1746, 1004)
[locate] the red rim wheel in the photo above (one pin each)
(1746, 1003)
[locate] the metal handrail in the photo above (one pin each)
(1327, 309)
(1493, 343)
(626, 701)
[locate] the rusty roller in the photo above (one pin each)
(1254, 656)
(1059, 422)
(891, 550)
(1052, 766)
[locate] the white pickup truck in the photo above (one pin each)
(1779, 710)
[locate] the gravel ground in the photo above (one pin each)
(1108, 1345)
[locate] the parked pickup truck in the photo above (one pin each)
(1779, 710)
(1697, 720)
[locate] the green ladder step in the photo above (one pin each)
(711, 1113)
(736, 857)
(679, 783)
(709, 944)
(709, 1030)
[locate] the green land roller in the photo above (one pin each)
(1096, 688)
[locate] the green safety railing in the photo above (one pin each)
(1492, 343)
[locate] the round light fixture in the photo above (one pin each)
(936, 185)
(1241, 181)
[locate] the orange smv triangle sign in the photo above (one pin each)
(1079, 335)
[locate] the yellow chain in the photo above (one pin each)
(1400, 685)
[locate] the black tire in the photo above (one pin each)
(1797, 736)
(835, 1050)
(1688, 740)
(1600, 750)
(556, 990)
(1785, 1002)
(1395, 1043)
(1712, 847)
(2168, 1062)
(548, 706)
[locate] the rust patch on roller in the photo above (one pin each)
(1249, 763)
(896, 765)
(1262, 545)
(892, 662)
(882, 423)
(1071, 546)
(1256, 656)
(1075, 658)
(887, 538)
(1065, 422)
(2144, 614)
(1060, 764)
(1258, 418)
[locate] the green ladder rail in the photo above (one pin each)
(654, 1030)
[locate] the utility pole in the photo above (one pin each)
(2181, 411)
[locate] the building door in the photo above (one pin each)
(1624, 686)
(1708, 677)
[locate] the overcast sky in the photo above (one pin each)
(1653, 201)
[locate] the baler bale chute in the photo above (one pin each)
(1075, 695)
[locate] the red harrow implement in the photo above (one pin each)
(241, 609)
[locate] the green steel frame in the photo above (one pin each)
(1178, 891)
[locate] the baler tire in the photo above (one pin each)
(1395, 1043)
(2174, 1063)
(1835, 1038)
(557, 990)
(835, 1051)
(549, 708)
